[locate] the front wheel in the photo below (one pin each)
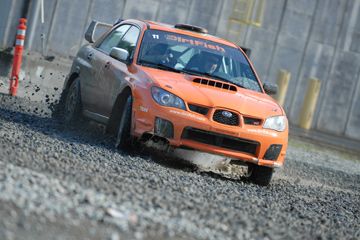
(123, 134)
(260, 175)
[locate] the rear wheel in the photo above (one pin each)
(260, 175)
(123, 134)
(72, 104)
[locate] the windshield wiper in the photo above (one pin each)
(158, 65)
(198, 73)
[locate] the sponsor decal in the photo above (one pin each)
(194, 42)
(143, 109)
(186, 114)
(263, 131)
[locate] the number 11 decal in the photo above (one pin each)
(155, 36)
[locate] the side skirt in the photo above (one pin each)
(96, 117)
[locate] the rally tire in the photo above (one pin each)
(123, 138)
(72, 103)
(260, 175)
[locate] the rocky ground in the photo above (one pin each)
(68, 182)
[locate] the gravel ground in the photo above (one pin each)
(68, 182)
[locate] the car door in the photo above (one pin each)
(115, 71)
(88, 84)
(93, 89)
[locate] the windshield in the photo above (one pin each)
(186, 54)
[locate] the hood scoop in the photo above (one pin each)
(217, 84)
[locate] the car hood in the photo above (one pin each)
(244, 101)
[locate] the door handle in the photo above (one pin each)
(90, 56)
(107, 65)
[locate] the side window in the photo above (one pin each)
(113, 39)
(128, 42)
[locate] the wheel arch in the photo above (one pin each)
(117, 109)
(71, 79)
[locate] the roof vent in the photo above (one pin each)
(191, 28)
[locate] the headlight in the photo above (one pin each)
(166, 98)
(277, 123)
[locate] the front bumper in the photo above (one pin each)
(245, 143)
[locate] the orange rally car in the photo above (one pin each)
(182, 86)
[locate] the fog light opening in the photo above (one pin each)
(273, 152)
(163, 128)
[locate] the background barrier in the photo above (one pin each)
(309, 106)
(283, 83)
(18, 54)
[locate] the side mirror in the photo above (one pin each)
(120, 54)
(90, 31)
(270, 88)
(89, 34)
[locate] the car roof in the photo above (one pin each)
(171, 28)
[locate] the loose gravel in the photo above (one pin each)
(68, 182)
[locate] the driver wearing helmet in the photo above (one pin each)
(211, 62)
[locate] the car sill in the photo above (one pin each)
(96, 117)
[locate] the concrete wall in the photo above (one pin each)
(309, 38)
(314, 39)
(10, 11)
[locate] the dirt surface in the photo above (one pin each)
(68, 182)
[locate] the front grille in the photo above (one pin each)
(220, 140)
(226, 117)
(198, 109)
